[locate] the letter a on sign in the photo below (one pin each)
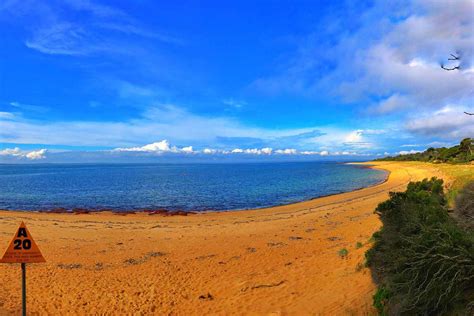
(22, 248)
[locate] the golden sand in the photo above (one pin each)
(276, 261)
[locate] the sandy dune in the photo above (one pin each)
(276, 261)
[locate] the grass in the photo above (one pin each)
(359, 245)
(459, 175)
(343, 253)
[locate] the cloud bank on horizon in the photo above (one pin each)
(92, 80)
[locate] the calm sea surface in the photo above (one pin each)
(176, 186)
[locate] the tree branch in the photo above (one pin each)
(449, 69)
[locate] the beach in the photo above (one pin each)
(283, 260)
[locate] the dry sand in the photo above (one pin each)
(276, 261)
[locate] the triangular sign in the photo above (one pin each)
(22, 248)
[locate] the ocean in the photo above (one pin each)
(189, 187)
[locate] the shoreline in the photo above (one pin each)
(283, 260)
(180, 212)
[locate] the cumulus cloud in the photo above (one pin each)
(310, 152)
(188, 149)
(209, 151)
(404, 64)
(407, 152)
(38, 154)
(450, 122)
(288, 151)
(253, 151)
(18, 153)
(157, 147)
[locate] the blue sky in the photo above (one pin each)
(122, 80)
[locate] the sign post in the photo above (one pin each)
(22, 249)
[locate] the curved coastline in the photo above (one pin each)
(278, 260)
(172, 212)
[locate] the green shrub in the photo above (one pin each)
(380, 300)
(343, 252)
(420, 256)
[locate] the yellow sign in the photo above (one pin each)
(22, 248)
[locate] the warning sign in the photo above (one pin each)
(22, 248)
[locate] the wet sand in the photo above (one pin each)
(282, 260)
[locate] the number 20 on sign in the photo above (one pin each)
(22, 249)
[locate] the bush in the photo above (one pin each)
(343, 252)
(464, 209)
(380, 300)
(420, 256)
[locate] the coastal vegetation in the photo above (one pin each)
(464, 210)
(422, 259)
(462, 153)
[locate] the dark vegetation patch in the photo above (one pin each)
(422, 261)
(206, 297)
(295, 238)
(464, 209)
(70, 266)
(145, 258)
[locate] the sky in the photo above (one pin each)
(85, 81)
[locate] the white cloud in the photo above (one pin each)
(161, 146)
(34, 155)
(16, 152)
(407, 152)
(288, 151)
(324, 153)
(449, 122)
(209, 151)
(309, 152)
(354, 137)
(254, 151)
(188, 149)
